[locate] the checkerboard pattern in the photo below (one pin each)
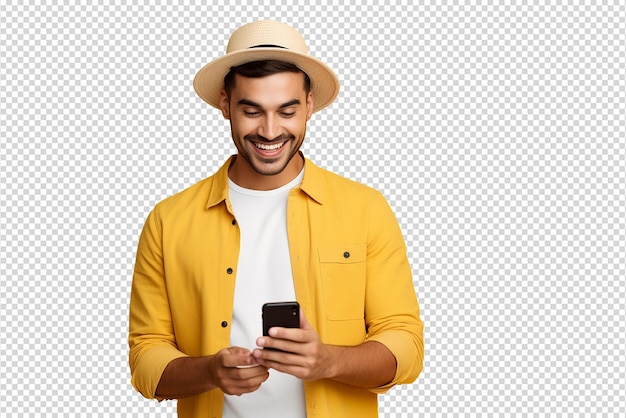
(496, 129)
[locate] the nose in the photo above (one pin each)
(270, 127)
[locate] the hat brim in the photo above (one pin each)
(209, 81)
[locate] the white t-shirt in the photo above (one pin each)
(263, 275)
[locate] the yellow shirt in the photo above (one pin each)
(351, 276)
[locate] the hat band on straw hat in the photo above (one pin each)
(267, 46)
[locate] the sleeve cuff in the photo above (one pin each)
(409, 357)
(149, 369)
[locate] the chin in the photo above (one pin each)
(266, 170)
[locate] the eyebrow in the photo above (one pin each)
(246, 102)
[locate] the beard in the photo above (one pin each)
(274, 165)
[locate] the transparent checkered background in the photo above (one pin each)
(495, 128)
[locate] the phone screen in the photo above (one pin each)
(280, 314)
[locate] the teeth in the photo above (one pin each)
(266, 147)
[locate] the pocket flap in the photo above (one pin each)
(345, 254)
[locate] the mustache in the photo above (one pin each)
(259, 138)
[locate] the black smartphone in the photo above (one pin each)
(280, 314)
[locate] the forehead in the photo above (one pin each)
(269, 90)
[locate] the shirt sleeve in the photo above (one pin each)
(151, 335)
(392, 312)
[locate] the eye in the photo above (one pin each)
(287, 114)
(251, 114)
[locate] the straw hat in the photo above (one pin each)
(267, 40)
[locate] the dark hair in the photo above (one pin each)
(258, 69)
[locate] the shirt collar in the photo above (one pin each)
(312, 183)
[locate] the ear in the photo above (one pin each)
(224, 104)
(309, 105)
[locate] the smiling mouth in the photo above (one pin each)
(269, 147)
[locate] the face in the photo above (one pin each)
(268, 118)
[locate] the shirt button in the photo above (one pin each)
(229, 270)
(224, 324)
(346, 255)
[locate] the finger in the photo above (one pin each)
(304, 324)
(237, 350)
(278, 343)
(279, 333)
(244, 378)
(238, 386)
(287, 363)
(236, 356)
(269, 357)
(248, 373)
(242, 361)
(258, 355)
(283, 351)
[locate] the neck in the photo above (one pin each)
(242, 173)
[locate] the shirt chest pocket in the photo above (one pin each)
(343, 281)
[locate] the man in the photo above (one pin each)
(271, 226)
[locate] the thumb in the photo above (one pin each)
(304, 324)
(238, 351)
(237, 356)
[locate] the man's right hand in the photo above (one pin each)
(235, 371)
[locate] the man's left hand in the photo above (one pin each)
(302, 354)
